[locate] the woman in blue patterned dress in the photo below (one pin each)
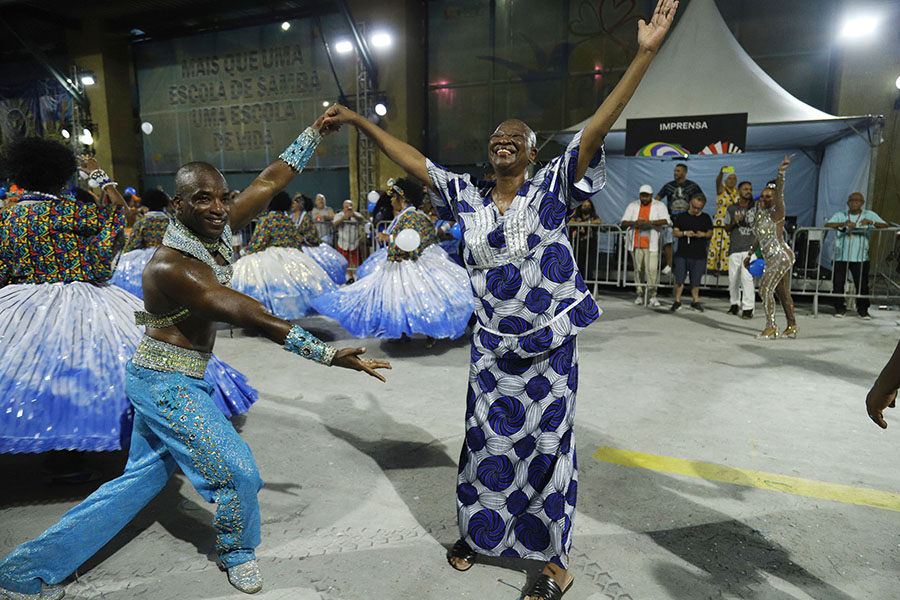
(517, 482)
(275, 270)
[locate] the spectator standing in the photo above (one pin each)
(726, 195)
(346, 226)
(323, 217)
(585, 239)
(678, 194)
(644, 218)
(693, 228)
(851, 251)
(738, 222)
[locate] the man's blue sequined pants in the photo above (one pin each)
(175, 424)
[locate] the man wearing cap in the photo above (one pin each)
(643, 218)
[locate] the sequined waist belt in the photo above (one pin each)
(167, 358)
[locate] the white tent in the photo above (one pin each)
(702, 70)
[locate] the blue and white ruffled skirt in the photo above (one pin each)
(130, 270)
(331, 260)
(63, 350)
(285, 280)
(431, 296)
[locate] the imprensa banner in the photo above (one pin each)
(701, 134)
(236, 98)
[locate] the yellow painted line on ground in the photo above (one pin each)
(767, 481)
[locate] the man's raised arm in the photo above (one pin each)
(277, 175)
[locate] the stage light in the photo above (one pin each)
(285, 26)
(88, 79)
(65, 133)
(381, 39)
(858, 27)
(326, 103)
(381, 109)
(343, 47)
(147, 127)
(86, 138)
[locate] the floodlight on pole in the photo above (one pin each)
(88, 79)
(381, 39)
(343, 47)
(286, 25)
(858, 27)
(381, 109)
(326, 103)
(65, 133)
(897, 83)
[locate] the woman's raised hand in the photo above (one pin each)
(651, 35)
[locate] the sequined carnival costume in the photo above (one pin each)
(276, 272)
(405, 292)
(518, 472)
(145, 237)
(176, 424)
(779, 259)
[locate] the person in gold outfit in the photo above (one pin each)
(769, 230)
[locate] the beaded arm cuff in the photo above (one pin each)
(301, 149)
(303, 343)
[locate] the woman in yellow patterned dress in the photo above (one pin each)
(726, 195)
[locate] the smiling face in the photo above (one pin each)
(767, 198)
(511, 147)
(202, 201)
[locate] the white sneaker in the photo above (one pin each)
(246, 577)
(654, 303)
(667, 270)
(639, 301)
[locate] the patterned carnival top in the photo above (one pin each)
(275, 229)
(148, 231)
(530, 297)
(46, 240)
(308, 230)
(421, 224)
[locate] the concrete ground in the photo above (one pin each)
(360, 476)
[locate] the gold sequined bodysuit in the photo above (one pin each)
(779, 260)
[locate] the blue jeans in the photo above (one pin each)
(176, 423)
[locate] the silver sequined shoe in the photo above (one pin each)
(246, 577)
(49, 592)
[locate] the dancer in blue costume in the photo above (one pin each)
(176, 425)
(275, 270)
(517, 484)
(146, 236)
(406, 292)
(328, 258)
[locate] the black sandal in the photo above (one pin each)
(546, 587)
(461, 550)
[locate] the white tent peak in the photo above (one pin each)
(702, 70)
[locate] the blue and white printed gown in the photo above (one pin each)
(518, 478)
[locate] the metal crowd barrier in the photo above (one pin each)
(814, 269)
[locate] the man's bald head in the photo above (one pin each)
(189, 176)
